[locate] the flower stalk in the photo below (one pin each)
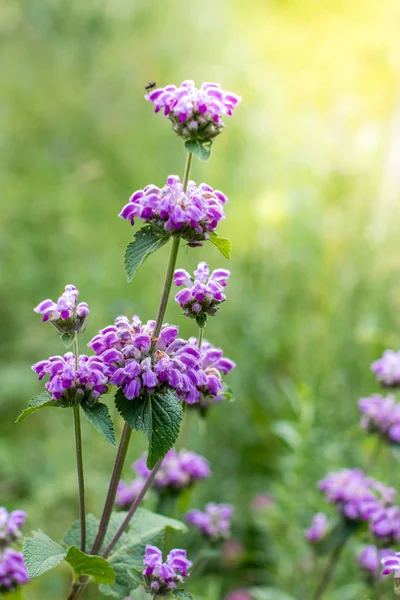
(79, 459)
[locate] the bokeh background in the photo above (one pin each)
(311, 164)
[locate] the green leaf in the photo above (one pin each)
(182, 595)
(42, 554)
(94, 566)
(99, 416)
(338, 535)
(42, 400)
(73, 536)
(17, 594)
(269, 593)
(201, 320)
(146, 241)
(223, 244)
(67, 339)
(158, 415)
(200, 148)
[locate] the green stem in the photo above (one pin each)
(329, 570)
(79, 459)
(132, 510)
(112, 490)
(200, 339)
(374, 455)
(186, 175)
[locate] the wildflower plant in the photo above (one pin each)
(152, 373)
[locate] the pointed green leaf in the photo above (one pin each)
(94, 566)
(42, 400)
(42, 554)
(146, 241)
(158, 415)
(182, 595)
(67, 339)
(223, 244)
(99, 416)
(201, 320)
(200, 148)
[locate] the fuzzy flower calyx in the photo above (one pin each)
(170, 211)
(163, 577)
(66, 314)
(203, 294)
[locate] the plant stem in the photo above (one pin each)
(132, 510)
(200, 339)
(112, 490)
(76, 590)
(374, 455)
(328, 572)
(79, 459)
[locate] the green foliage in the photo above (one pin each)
(201, 320)
(269, 593)
(93, 566)
(67, 339)
(146, 242)
(338, 535)
(157, 415)
(182, 595)
(41, 554)
(73, 536)
(17, 594)
(99, 416)
(38, 402)
(200, 148)
(223, 244)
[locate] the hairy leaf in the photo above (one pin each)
(99, 416)
(201, 320)
(42, 400)
(158, 415)
(146, 241)
(200, 148)
(94, 566)
(223, 244)
(42, 554)
(182, 595)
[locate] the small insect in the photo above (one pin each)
(150, 86)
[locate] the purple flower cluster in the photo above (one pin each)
(192, 215)
(12, 567)
(66, 314)
(12, 570)
(387, 368)
(69, 385)
(381, 415)
(391, 564)
(10, 524)
(359, 497)
(163, 577)
(371, 556)
(214, 522)
(214, 365)
(319, 528)
(179, 470)
(195, 113)
(126, 347)
(204, 293)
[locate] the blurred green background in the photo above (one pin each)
(311, 164)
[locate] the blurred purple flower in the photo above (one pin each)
(371, 556)
(387, 368)
(65, 314)
(262, 501)
(192, 215)
(240, 594)
(70, 386)
(10, 524)
(381, 415)
(214, 522)
(318, 529)
(13, 571)
(195, 114)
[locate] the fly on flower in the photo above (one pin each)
(150, 86)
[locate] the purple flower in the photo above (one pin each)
(213, 366)
(13, 571)
(381, 415)
(162, 577)
(66, 315)
(195, 113)
(318, 529)
(387, 368)
(385, 524)
(125, 348)
(179, 470)
(192, 215)
(214, 522)
(70, 386)
(10, 524)
(371, 556)
(391, 564)
(204, 293)
(238, 595)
